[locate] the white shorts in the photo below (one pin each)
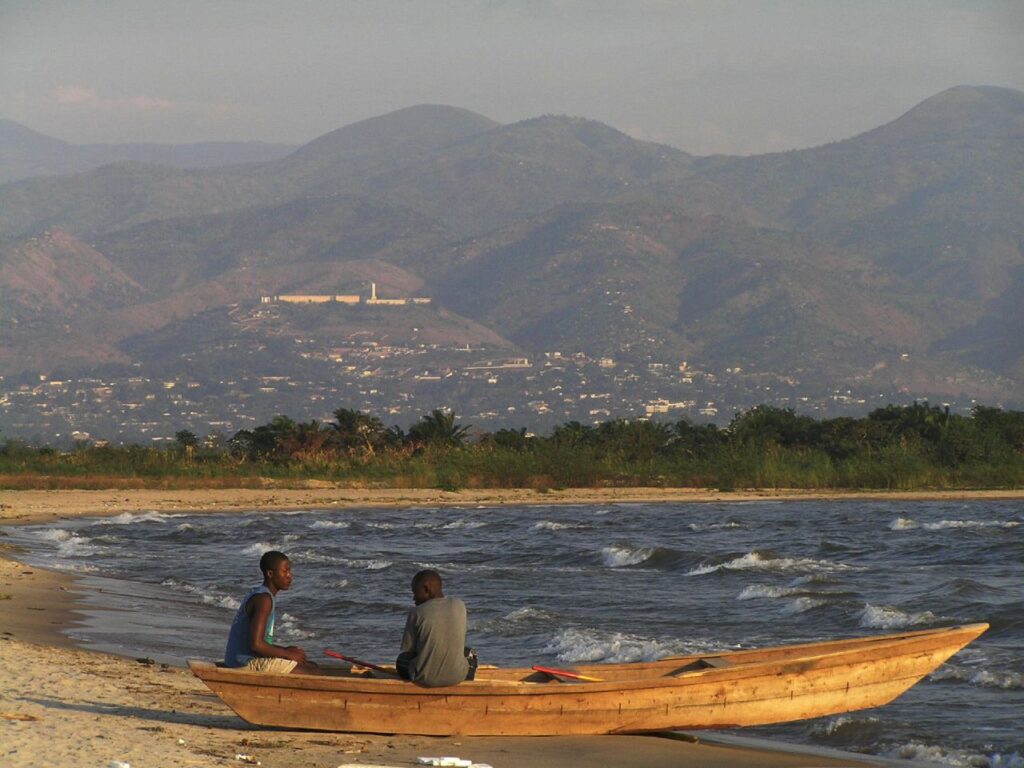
(270, 665)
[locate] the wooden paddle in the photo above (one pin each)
(567, 673)
(361, 663)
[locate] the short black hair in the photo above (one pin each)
(426, 576)
(271, 560)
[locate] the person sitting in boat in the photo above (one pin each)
(251, 639)
(434, 651)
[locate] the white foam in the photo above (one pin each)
(592, 645)
(944, 524)
(69, 544)
(714, 526)
(902, 524)
(837, 725)
(527, 613)
(218, 599)
(887, 617)
(757, 561)
(290, 629)
(932, 753)
(368, 564)
(803, 604)
(130, 518)
(260, 547)
(755, 591)
(331, 524)
(620, 557)
(469, 524)
(906, 524)
(550, 525)
(982, 678)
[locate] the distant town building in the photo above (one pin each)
(342, 298)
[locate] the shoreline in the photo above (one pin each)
(61, 704)
(40, 506)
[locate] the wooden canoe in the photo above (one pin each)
(727, 690)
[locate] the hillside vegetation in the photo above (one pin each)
(829, 264)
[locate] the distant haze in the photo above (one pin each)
(723, 77)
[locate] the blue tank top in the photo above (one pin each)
(238, 651)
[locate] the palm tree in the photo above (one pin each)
(438, 428)
(354, 429)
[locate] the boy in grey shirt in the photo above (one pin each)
(434, 652)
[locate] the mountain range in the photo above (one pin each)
(893, 259)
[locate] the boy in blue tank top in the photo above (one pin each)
(251, 639)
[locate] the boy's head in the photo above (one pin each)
(426, 585)
(277, 570)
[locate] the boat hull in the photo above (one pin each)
(729, 690)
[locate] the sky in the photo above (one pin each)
(707, 77)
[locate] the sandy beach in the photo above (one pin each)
(61, 705)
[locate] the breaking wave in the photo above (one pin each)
(623, 556)
(931, 753)
(765, 561)
(592, 645)
(887, 617)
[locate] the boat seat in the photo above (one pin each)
(707, 662)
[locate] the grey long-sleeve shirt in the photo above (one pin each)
(436, 632)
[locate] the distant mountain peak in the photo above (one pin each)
(24, 138)
(964, 110)
(429, 125)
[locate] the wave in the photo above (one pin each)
(765, 561)
(887, 617)
(908, 524)
(755, 591)
(804, 604)
(982, 678)
(462, 523)
(944, 524)
(619, 556)
(367, 564)
(528, 613)
(518, 622)
(848, 731)
(130, 518)
(593, 645)
(715, 526)
(290, 629)
(69, 544)
(209, 597)
(939, 755)
(330, 524)
(902, 524)
(549, 525)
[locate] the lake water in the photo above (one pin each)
(591, 583)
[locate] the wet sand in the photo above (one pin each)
(60, 705)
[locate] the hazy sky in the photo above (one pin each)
(736, 77)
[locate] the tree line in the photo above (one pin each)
(896, 447)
